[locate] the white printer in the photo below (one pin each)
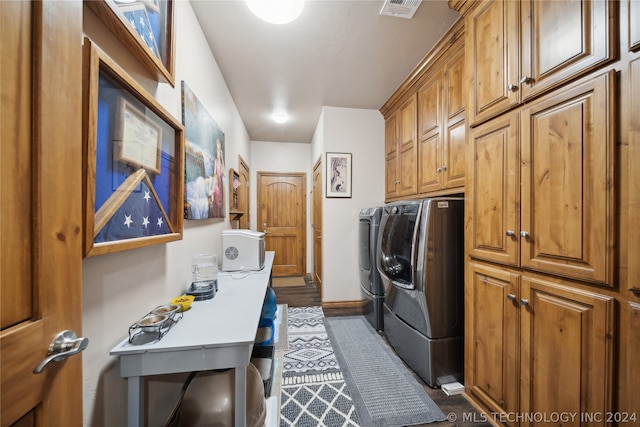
(242, 250)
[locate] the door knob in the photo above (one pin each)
(65, 344)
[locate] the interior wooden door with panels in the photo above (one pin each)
(282, 217)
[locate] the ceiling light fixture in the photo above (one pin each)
(280, 117)
(276, 11)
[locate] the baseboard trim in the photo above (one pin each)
(343, 304)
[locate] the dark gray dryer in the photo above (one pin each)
(421, 262)
(370, 281)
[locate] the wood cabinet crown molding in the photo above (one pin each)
(409, 86)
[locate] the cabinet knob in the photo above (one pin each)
(524, 301)
(512, 87)
(439, 170)
(398, 182)
(511, 297)
(524, 234)
(525, 80)
(444, 168)
(510, 233)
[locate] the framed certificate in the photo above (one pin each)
(134, 162)
(139, 139)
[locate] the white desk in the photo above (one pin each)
(215, 334)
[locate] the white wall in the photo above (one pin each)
(119, 288)
(361, 133)
(281, 157)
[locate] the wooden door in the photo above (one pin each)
(430, 133)
(493, 58)
(634, 175)
(408, 147)
(391, 157)
(567, 182)
(40, 209)
(494, 326)
(454, 126)
(317, 225)
(567, 347)
(562, 39)
(282, 216)
(243, 194)
(494, 190)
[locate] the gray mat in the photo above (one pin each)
(384, 392)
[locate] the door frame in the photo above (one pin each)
(316, 218)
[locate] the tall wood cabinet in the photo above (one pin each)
(520, 49)
(542, 108)
(426, 124)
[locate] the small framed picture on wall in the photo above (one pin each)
(339, 175)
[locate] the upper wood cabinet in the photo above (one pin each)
(540, 190)
(425, 124)
(441, 124)
(401, 151)
(517, 50)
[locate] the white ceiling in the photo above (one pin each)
(338, 53)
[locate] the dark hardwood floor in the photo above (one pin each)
(457, 409)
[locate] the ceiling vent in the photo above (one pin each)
(400, 8)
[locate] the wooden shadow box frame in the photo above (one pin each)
(156, 52)
(133, 168)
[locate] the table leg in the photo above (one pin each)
(241, 396)
(135, 415)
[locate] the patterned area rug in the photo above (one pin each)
(313, 388)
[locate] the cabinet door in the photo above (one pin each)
(391, 157)
(567, 348)
(408, 147)
(493, 58)
(567, 218)
(493, 190)
(453, 158)
(493, 318)
(430, 126)
(562, 39)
